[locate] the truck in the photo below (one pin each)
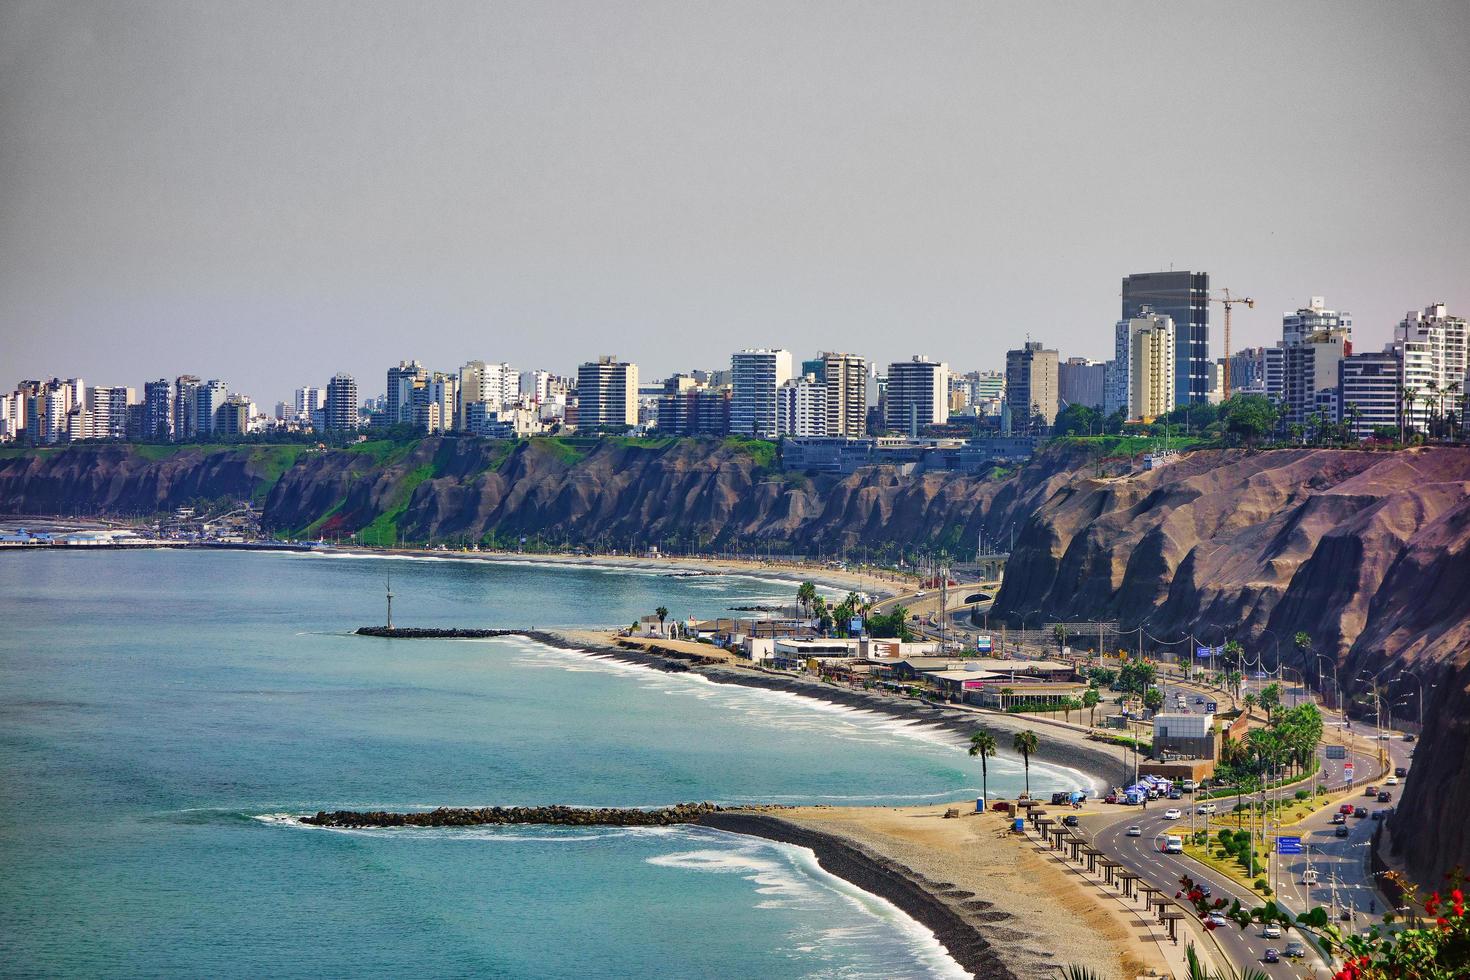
(1173, 844)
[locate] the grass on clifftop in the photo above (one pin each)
(763, 452)
(1133, 445)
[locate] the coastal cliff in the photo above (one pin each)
(1367, 552)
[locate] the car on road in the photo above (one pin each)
(1204, 889)
(1172, 813)
(1359, 812)
(1199, 699)
(1206, 808)
(1341, 831)
(1384, 796)
(1272, 931)
(1135, 831)
(1400, 772)
(1176, 793)
(1345, 809)
(1271, 955)
(1173, 844)
(1391, 781)
(1381, 814)
(1370, 791)
(1339, 818)
(1294, 950)
(1216, 919)
(1309, 877)
(1070, 820)
(1384, 736)
(1408, 738)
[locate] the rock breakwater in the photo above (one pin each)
(554, 815)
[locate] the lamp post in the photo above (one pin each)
(1420, 681)
(1335, 685)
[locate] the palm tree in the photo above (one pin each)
(1431, 397)
(1090, 699)
(982, 743)
(806, 594)
(1250, 704)
(1026, 743)
(662, 612)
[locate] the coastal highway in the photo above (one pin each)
(1244, 947)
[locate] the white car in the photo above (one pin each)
(1172, 814)
(1205, 808)
(1272, 931)
(1391, 781)
(1135, 831)
(1217, 919)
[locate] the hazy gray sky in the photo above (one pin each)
(271, 192)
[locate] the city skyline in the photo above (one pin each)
(520, 186)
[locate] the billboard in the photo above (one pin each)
(1337, 751)
(983, 643)
(1288, 845)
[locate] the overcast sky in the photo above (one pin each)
(272, 192)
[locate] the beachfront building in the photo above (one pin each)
(917, 395)
(1002, 693)
(755, 378)
(845, 377)
(607, 394)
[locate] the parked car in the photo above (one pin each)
(1294, 950)
(1057, 799)
(1111, 798)
(1341, 831)
(1176, 794)
(1271, 955)
(1135, 831)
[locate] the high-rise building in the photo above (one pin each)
(12, 415)
(1081, 381)
(535, 386)
(607, 394)
(1248, 370)
(1369, 385)
(158, 409)
(1448, 343)
(846, 379)
(1031, 386)
(755, 376)
(1184, 297)
(1151, 364)
(186, 407)
(309, 401)
(107, 412)
(801, 407)
(233, 416)
(402, 381)
(816, 367)
(208, 398)
(1302, 377)
(917, 394)
(341, 403)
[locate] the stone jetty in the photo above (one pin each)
(569, 816)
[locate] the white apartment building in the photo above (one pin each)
(755, 377)
(607, 394)
(1369, 386)
(1445, 340)
(1151, 364)
(845, 377)
(917, 395)
(535, 386)
(801, 407)
(207, 401)
(107, 411)
(1302, 373)
(1120, 382)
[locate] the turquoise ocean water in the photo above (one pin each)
(164, 716)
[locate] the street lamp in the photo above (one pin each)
(1336, 686)
(1420, 681)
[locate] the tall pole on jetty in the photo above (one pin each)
(390, 600)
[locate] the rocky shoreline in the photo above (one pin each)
(554, 815)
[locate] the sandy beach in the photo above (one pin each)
(974, 882)
(824, 576)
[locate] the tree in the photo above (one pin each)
(806, 595)
(983, 744)
(662, 612)
(1077, 420)
(1234, 679)
(1249, 417)
(1069, 705)
(1026, 743)
(1250, 704)
(1271, 699)
(1060, 633)
(1090, 699)
(1153, 699)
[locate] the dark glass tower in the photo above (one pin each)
(1184, 296)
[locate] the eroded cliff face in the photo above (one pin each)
(1368, 553)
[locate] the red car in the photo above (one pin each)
(1345, 809)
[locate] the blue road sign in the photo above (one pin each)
(1288, 845)
(1337, 751)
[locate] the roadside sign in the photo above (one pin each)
(983, 643)
(1347, 772)
(1211, 707)
(1337, 751)
(1288, 845)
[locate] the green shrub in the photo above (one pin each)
(1302, 794)
(1261, 885)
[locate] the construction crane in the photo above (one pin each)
(1228, 301)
